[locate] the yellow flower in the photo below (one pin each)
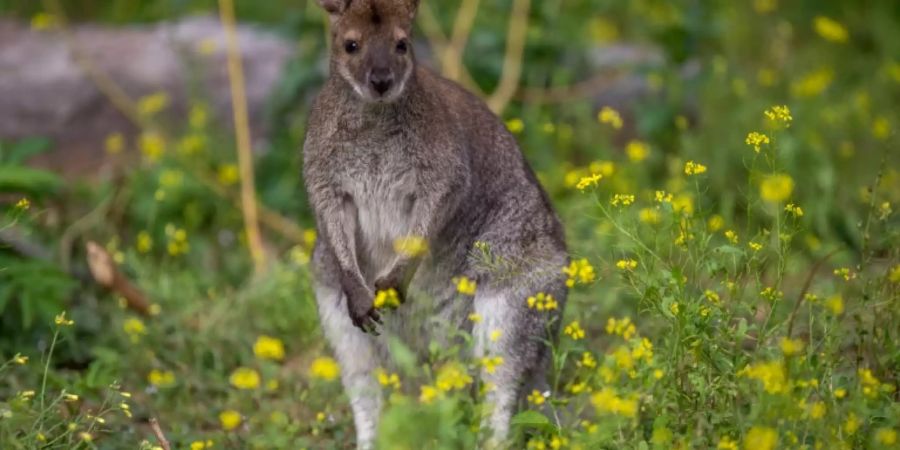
(536, 398)
(732, 237)
(62, 321)
(845, 273)
(490, 364)
(161, 378)
(152, 145)
(894, 276)
(610, 117)
(427, 394)
(835, 304)
(725, 443)
(791, 347)
(622, 199)
(830, 30)
(813, 83)
(770, 374)
(85, 436)
(851, 424)
(606, 401)
(649, 216)
(177, 240)
(675, 308)
(587, 360)
(151, 104)
(663, 197)
(192, 144)
(637, 151)
(712, 296)
(542, 302)
(574, 330)
(134, 328)
(623, 327)
(23, 204)
(886, 436)
(324, 368)
(387, 298)
(840, 393)
(475, 318)
(144, 242)
(202, 445)
(881, 128)
(692, 168)
(771, 294)
(495, 335)
(69, 397)
(452, 376)
(44, 21)
(229, 419)
(515, 125)
(267, 347)
(627, 264)
(776, 188)
(588, 181)
(715, 223)
(765, 7)
(387, 379)
(198, 116)
(114, 143)
(793, 209)
(817, 410)
(465, 286)
(779, 115)
(20, 359)
(228, 174)
(244, 378)
(410, 246)
(760, 438)
(580, 272)
(757, 140)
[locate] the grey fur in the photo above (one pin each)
(428, 160)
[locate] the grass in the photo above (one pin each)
(724, 295)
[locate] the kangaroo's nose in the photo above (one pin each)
(381, 80)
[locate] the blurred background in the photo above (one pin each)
(127, 199)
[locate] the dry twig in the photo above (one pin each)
(106, 274)
(242, 132)
(157, 431)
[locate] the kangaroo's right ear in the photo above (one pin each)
(334, 7)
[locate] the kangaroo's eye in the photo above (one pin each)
(351, 46)
(402, 47)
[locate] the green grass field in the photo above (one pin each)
(736, 253)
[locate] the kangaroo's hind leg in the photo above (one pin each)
(357, 352)
(510, 330)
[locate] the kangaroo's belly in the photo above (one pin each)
(384, 207)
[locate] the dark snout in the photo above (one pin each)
(381, 79)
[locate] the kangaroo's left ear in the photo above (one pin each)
(413, 7)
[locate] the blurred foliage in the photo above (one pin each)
(712, 270)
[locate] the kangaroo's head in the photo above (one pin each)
(371, 50)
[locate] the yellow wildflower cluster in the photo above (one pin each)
(606, 401)
(771, 294)
(228, 174)
(536, 397)
(793, 210)
(622, 199)
(663, 197)
(693, 168)
(267, 347)
(229, 419)
(161, 378)
(637, 151)
(757, 140)
(452, 376)
(776, 188)
(465, 286)
(386, 379)
(830, 29)
(324, 368)
(813, 83)
(386, 298)
(610, 117)
(491, 363)
(62, 321)
(144, 242)
(622, 327)
(845, 273)
(244, 378)
(627, 264)
(779, 115)
(542, 302)
(760, 438)
(588, 181)
(177, 240)
(771, 374)
(579, 272)
(791, 347)
(574, 330)
(152, 104)
(134, 328)
(152, 145)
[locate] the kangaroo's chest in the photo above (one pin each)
(382, 184)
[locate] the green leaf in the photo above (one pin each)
(24, 149)
(14, 178)
(533, 419)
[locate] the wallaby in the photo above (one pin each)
(394, 151)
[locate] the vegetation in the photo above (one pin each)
(736, 256)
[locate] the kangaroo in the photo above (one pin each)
(394, 151)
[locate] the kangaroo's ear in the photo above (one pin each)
(413, 7)
(334, 7)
